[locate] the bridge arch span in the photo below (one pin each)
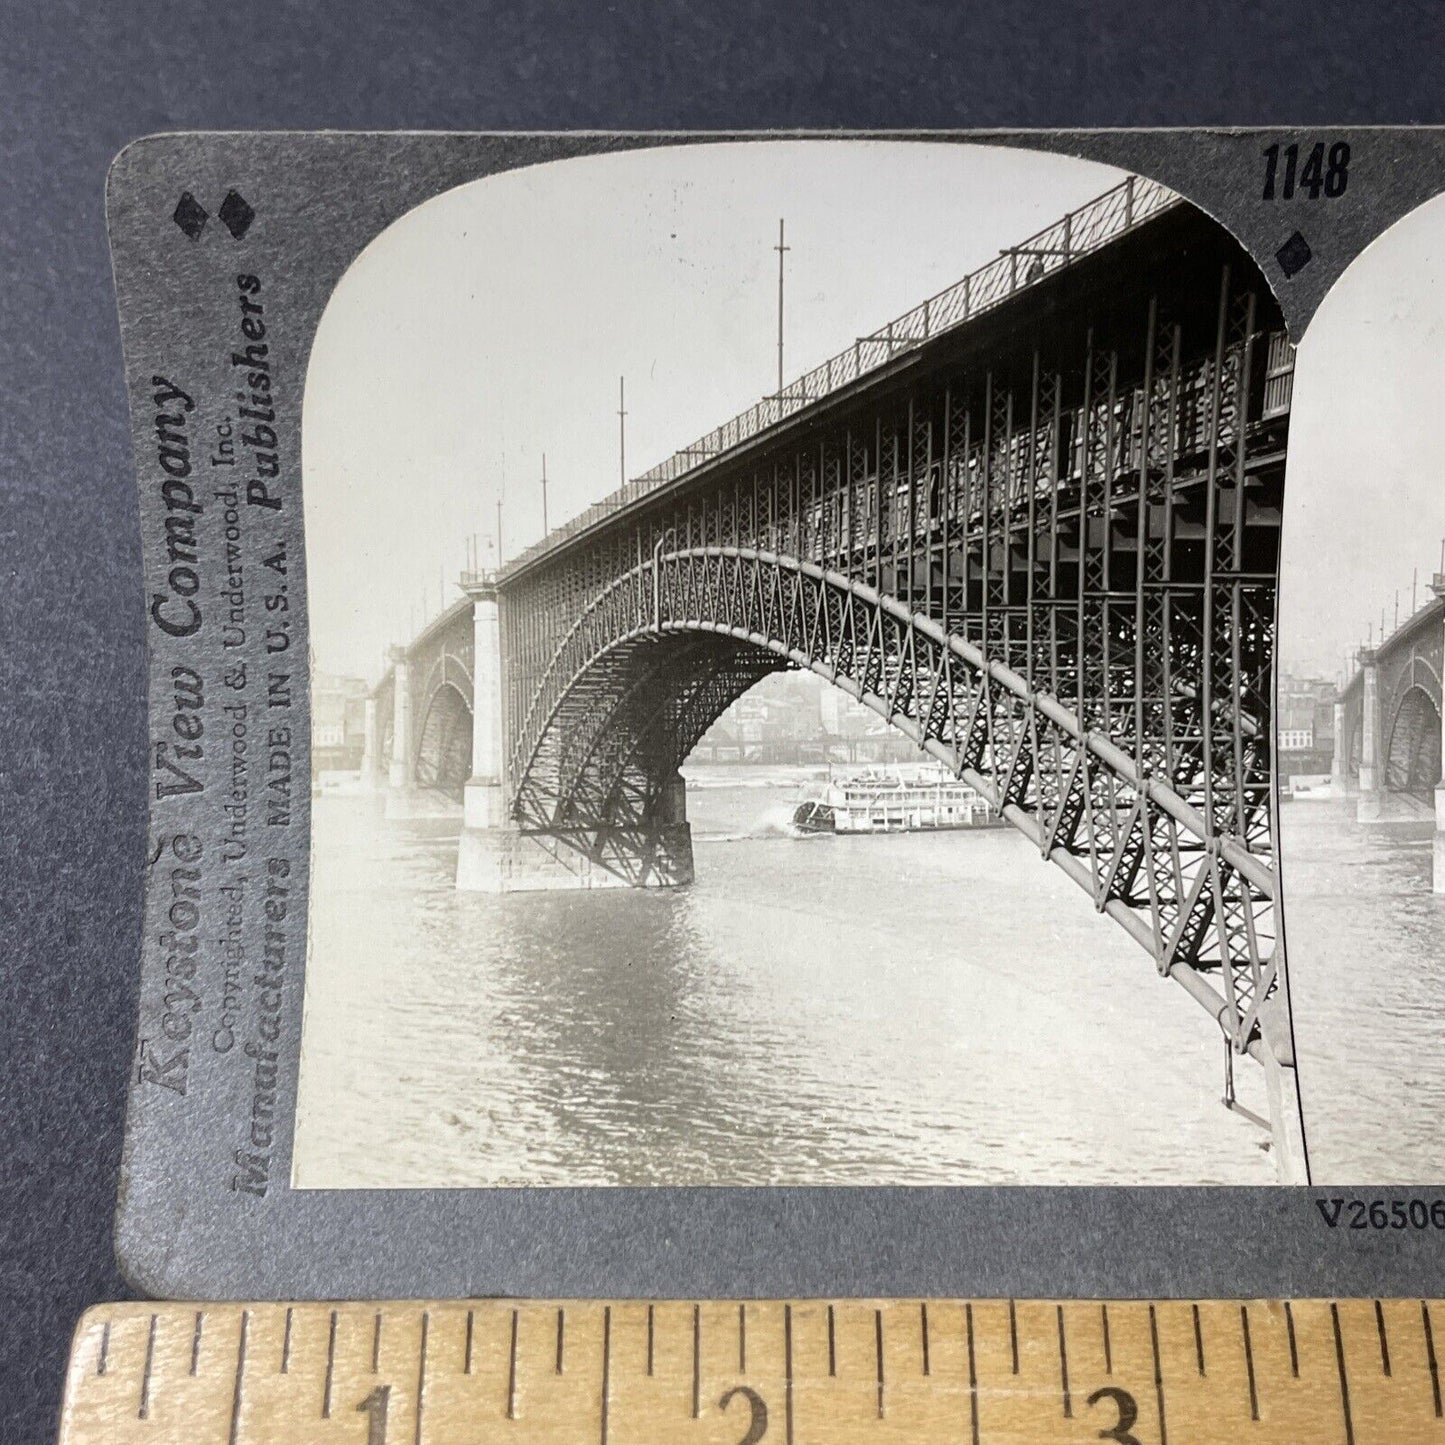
(1416, 673)
(443, 759)
(444, 740)
(607, 756)
(1390, 712)
(1412, 749)
(422, 708)
(658, 653)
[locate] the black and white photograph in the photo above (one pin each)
(792, 630)
(723, 726)
(1361, 628)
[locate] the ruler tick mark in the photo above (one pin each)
(606, 1360)
(1384, 1341)
(237, 1395)
(832, 1346)
(467, 1352)
(1199, 1340)
(742, 1339)
(1344, 1377)
(878, 1350)
(561, 1326)
(1293, 1346)
(376, 1343)
(196, 1341)
(1158, 1376)
(330, 1369)
(286, 1345)
(421, 1374)
(1249, 1362)
(1064, 1366)
(972, 1374)
(649, 1339)
(1430, 1355)
(923, 1331)
(1108, 1352)
(512, 1372)
(144, 1409)
(104, 1355)
(1013, 1334)
(788, 1374)
(696, 1361)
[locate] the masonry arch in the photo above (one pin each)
(444, 740)
(1412, 751)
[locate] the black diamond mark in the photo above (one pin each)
(1294, 255)
(190, 215)
(236, 215)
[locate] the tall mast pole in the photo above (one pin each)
(781, 249)
(544, 494)
(499, 524)
(622, 428)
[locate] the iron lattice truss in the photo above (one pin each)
(443, 711)
(1049, 562)
(604, 766)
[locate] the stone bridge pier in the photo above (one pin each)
(484, 804)
(371, 747)
(1372, 769)
(1339, 761)
(401, 773)
(405, 799)
(498, 854)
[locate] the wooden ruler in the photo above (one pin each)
(1360, 1372)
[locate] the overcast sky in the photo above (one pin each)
(1365, 487)
(491, 325)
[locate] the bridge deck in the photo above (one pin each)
(1422, 621)
(1076, 235)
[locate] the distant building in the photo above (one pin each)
(338, 722)
(1305, 726)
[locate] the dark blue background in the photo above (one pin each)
(79, 80)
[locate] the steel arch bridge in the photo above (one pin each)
(425, 699)
(1033, 524)
(1388, 726)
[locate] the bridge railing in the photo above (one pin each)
(1075, 235)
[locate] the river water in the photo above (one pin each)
(1366, 947)
(906, 1009)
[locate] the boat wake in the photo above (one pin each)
(775, 823)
